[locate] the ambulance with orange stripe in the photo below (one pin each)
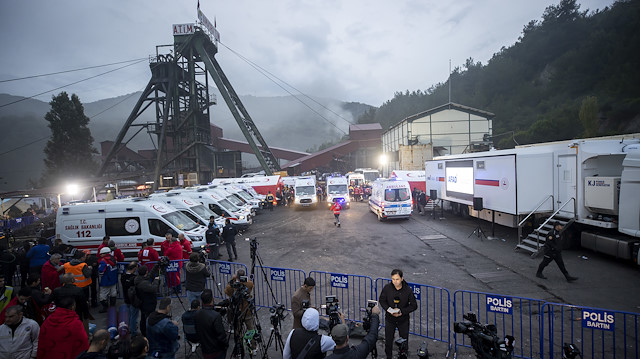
(128, 222)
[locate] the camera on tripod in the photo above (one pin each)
(276, 313)
(164, 262)
(366, 322)
(332, 310)
(306, 304)
(403, 347)
(484, 338)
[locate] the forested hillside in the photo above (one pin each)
(571, 74)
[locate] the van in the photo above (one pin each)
(390, 199)
(198, 212)
(244, 198)
(338, 188)
(218, 204)
(355, 179)
(305, 192)
(128, 222)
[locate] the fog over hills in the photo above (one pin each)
(282, 121)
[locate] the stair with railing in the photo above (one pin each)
(535, 240)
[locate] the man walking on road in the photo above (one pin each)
(553, 252)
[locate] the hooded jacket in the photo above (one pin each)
(162, 334)
(406, 301)
(298, 338)
(196, 275)
(109, 271)
(62, 336)
(20, 343)
(50, 276)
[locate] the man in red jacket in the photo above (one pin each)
(148, 253)
(174, 252)
(62, 335)
(186, 246)
(51, 272)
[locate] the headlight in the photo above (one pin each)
(196, 238)
(241, 217)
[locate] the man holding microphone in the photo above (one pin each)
(398, 302)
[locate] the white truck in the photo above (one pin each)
(129, 222)
(338, 189)
(305, 192)
(594, 183)
(390, 198)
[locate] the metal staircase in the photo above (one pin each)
(535, 240)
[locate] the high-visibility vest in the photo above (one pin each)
(5, 297)
(76, 270)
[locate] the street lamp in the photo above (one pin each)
(383, 163)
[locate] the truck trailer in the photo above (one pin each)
(593, 185)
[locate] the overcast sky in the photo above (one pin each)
(350, 50)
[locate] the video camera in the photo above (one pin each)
(332, 310)
(366, 322)
(164, 262)
(276, 313)
(484, 338)
(306, 304)
(403, 347)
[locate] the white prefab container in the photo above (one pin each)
(128, 222)
(390, 198)
(338, 189)
(305, 192)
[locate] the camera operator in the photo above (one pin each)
(239, 290)
(340, 335)
(302, 294)
(209, 327)
(196, 275)
(212, 236)
(305, 342)
(398, 301)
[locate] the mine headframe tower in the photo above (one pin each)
(179, 91)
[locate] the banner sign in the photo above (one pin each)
(224, 268)
(498, 304)
(339, 280)
(207, 24)
(278, 274)
(597, 319)
(415, 288)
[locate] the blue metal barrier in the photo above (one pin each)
(18, 223)
(598, 333)
(352, 291)
(222, 273)
(516, 316)
(433, 317)
(283, 281)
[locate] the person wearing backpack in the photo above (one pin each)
(127, 279)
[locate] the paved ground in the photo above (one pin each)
(433, 252)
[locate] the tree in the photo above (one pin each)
(589, 116)
(69, 152)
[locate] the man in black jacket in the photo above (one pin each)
(213, 339)
(340, 335)
(398, 301)
(146, 288)
(212, 236)
(128, 279)
(69, 289)
(553, 252)
(229, 238)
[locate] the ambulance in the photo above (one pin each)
(305, 192)
(218, 203)
(338, 189)
(390, 198)
(128, 222)
(190, 207)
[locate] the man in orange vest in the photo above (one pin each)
(81, 271)
(336, 207)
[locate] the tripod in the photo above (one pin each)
(276, 317)
(163, 284)
(478, 230)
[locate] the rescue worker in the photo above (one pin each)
(553, 252)
(148, 253)
(186, 246)
(7, 293)
(81, 272)
(336, 207)
(109, 271)
(269, 200)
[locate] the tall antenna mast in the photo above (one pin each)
(449, 80)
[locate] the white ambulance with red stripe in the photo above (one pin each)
(128, 222)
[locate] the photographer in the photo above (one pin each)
(340, 335)
(398, 301)
(239, 291)
(302, 294)
(305, 342)
(196, 274)
(146, 287)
